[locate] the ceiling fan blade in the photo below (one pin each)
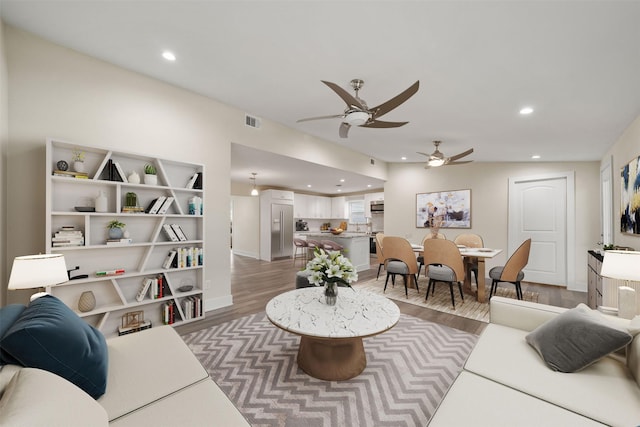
(394, 102)
(461, 155)
(334, 116)
(344, 130)
(381, 124)
(349, 99)
(458, 163)
(424, 154)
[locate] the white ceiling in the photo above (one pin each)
(577, 63)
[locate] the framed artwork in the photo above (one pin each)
(630, 198)
(451, 208)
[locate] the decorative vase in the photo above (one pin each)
(87, 301)
(330, 293)
(150, 179)
(101, 202)
(115, 233)
(134, 178)
(78, 166)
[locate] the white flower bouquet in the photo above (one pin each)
(330, 267)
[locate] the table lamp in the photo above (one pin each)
(38, 271)
(623, 265)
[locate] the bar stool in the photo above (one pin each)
(330, 245)
(303, 247)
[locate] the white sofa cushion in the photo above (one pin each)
(147, 366)
(476, 401)
(604, 391)
(35, 397)
(202, 404)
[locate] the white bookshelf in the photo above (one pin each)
(144, 257)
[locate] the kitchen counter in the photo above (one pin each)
(356, 246)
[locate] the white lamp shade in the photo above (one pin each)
(356, 118)
(435, 162)
(254, 192)
(623, 265)
(35, 271)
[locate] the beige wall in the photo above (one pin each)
(4, 142)
(246, 231)
(57, 92)
(626, 148)
(489, 183)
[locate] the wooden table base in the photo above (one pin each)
(331, 359)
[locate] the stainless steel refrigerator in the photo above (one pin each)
(281, 231)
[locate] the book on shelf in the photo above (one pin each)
(67, 236)
(70, 174)
(144, 288)
(155, 205)
(165, 205)
(168, 231)
(116, 272)
(133, 209)
(178, 230)
(116, 242)
(198, 184)
(131, 329)
(192, 181)
(120, 172)
(168, 313)
(168, 261)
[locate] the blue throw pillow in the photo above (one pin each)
(8, 315)
(50, 336)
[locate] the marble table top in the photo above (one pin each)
(355, 314)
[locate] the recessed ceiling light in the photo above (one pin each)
(403, 158)
(342, 180)
(535, 156)
(526, 110)
(339, 190)
(308, 185)
(369, 185)
(169, 56)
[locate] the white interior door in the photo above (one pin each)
(606, 202)
(538, 210)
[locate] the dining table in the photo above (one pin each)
(470, 255)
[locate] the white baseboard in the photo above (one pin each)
(219, 302)
(254, 255)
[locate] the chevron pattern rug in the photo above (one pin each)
(441, 299)
(409, 369)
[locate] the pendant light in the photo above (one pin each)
(254, 191)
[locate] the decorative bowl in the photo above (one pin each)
(336, 231)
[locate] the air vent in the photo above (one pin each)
(373, 162)
(251, 121)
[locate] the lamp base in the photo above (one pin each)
(38, 295)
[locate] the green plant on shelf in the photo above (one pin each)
(116, 224)
(150, 169)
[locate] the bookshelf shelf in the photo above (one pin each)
(82, 236)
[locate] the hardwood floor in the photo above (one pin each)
(255, 282)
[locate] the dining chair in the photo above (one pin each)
(512, 271)
(379, 254)
(302, 246)
(400, 259)
(421, 254)
(470, 240)
(444, 265)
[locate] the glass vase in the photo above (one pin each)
(330, 293)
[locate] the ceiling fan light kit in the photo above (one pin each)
(436, 158)
(357, 113)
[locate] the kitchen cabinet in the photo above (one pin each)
(301, 205)
(116, 270)
(339, 208)
(312, 207)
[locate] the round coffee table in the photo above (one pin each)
(331, 345)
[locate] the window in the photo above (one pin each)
(356, 212)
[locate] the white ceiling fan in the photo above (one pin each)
(437, 159)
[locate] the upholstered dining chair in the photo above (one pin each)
(512, 271)
(421, 254)
(444, 265)
(400, 259)
(302, 247)
(379, 253)
(471, 241)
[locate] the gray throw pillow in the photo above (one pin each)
(577, 338)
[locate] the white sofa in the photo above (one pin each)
(506, 383)
(153, 380)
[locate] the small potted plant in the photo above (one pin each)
(77, 157)
(150, 174)
(116, 229)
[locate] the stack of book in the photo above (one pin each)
(124, 330)
(68, 235)
(132, 209)
(192, 307)
(168, 313)
(117, 242)
(184, 257)
(71, 174)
